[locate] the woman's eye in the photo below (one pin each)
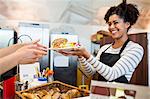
(109, 24)
(115, 22)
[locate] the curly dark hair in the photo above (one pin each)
(128, 12)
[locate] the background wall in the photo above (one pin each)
(67, 11)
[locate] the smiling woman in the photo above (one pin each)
(116, 61)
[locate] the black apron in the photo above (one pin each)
(110, 59)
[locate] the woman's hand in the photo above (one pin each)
(80, 52)
(31, 52)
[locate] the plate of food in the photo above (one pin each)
(63, 44)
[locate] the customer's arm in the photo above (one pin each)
(8, 50)
(8, 62)
(27, 54)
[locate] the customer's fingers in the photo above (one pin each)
(33, 60)
(35, 47)
(35, 41)
(40, 45)
(40, 52)
(39, 55)
(42, 48)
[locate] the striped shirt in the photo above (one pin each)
(129, 60)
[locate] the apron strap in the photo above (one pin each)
(124, 45)
(107, 48)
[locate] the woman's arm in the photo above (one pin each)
(86, 67)
(83, 55)
(127, 63)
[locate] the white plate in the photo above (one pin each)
(64, 49)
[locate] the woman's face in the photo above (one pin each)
(117, 26)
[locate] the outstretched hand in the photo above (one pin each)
(31, 52)
(80, 52)
(36, 42)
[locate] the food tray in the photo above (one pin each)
(62, 86)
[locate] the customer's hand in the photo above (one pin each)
(36, 42)
(31, 52)
(80, 52)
